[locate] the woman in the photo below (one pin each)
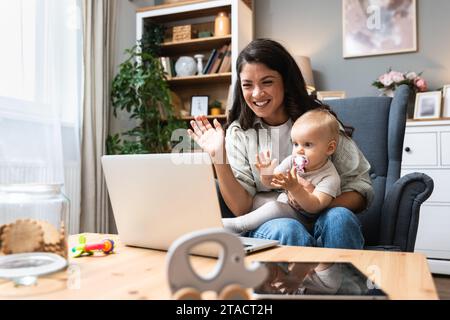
(269, 95)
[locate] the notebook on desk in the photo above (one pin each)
(156, 198)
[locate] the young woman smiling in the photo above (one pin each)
(269, 95)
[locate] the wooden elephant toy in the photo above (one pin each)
(230, 279)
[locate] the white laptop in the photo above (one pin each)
(156, 198)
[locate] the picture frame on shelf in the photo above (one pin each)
(330, 95)
(446, 101)
(377, 27)
(199, 105)
(428, 105)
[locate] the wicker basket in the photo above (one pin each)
(182, 33)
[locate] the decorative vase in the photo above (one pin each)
(387, 93)
(199, 58)
(185, 66)
(222, 24)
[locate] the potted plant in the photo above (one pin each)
(215, 108)
(141, 89)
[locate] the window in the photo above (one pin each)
(17, 62)
(42, 63)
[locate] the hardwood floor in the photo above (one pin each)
(442, 283)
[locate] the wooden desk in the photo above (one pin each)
(134, 273)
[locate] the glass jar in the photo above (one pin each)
(33, 230)
(222, 24)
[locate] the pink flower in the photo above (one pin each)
(386, 79)
(388, 82)
(421, 84)
(396, 76)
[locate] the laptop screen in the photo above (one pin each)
(302, 279)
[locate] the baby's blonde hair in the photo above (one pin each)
(320, 118)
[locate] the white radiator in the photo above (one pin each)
(72, 177)
(35, 172)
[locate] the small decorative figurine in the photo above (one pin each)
(199, 58)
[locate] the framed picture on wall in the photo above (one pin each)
(446, 107)
(428, 105)
(330, 95)
(378, 27)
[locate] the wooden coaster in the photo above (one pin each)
(22, 236)
(51, 234)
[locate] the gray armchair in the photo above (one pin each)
(391, 222)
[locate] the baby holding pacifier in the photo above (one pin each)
(307, 179)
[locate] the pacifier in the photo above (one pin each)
(300, 162)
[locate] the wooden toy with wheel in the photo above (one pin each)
(230, 279)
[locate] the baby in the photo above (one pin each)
(308, 177)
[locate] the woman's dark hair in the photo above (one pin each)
(277, 58)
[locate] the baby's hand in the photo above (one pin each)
(264, 164)
(287, 181)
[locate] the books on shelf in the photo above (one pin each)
(168, 66)
(218, 59)
(226, 62)
(210, 60)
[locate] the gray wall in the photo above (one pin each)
(126, 38)
(126, 25)
(314, 29)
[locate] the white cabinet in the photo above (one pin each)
(426, 149)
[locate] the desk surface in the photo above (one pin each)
(134, 273)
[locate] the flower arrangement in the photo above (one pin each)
(388, 82)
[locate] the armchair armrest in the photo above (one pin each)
(400, 213)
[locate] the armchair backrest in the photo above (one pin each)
(379, 124)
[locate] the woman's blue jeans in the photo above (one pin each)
(335, 228)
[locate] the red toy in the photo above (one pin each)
(107, 247)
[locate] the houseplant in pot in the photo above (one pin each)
(140, 88)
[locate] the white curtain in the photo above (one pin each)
(99, 29)
(40, 95)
